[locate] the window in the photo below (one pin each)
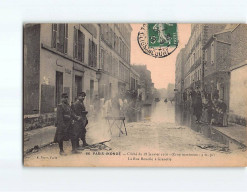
(92, 58)
(106, 61)
(102, 59)
(212, 53)
(81, 42)
(60, 37)
(79, 45)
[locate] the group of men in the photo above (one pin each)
(213, 112)
(71, 123)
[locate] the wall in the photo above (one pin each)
(239, 44)
(31, 68)
(238, 85)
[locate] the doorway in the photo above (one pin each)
(59, 87)
(78, 85)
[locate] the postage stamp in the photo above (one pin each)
(158, 39)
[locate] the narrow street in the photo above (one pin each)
(156, 134)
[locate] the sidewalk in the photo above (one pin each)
(38, 137)
(41, 137)
(235, 132)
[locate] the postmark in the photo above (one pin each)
(158, 39)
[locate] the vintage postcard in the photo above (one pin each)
(134, 95)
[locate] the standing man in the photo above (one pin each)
(222, 113)
(64, 122)
(79, 130)
(197, 105)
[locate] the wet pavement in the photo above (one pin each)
(159, 127)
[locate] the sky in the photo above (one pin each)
(162, 69)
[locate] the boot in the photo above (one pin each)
(74, 150)
(84, 141)
(62, 153)
(77, 143)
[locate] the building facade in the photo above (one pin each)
(145, 89)
(71, 58)
(59, 58)
(224, 50)
(214, 55)
(114, 59)
(194, 54)
(179, 77)
(134, 79)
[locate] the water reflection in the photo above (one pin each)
(184, 116)
(143, 113)
(155, 112)
(162, 112)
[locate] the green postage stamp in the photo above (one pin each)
(158, 39)
(162, 35)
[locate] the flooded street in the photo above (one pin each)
(159, 128)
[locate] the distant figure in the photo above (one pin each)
(171, 101)
(222, 113)
(115, 106)
(215, 115)
(197, 106)
(97, 107)
(165, 100)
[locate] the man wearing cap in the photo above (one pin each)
(79, 129)
(65, 116)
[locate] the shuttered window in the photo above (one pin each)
(60, 37)
(54, 36)
(92, 58)
(79, 45)
(75, 43)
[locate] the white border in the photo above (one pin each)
(13, 177)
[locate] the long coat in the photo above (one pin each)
(64, 122)
(79, 127)
(197, 104)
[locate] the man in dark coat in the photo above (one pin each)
(64, 122)
(198, 106)
(222, 113)
(79, 129)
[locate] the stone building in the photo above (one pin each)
(238, 85)
(224, 50)
(114, 59)
(134, 79)
(71, 58)
(179, 77)
(145, 82)
(59, 58)
(194, 54)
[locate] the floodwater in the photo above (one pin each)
(162, 112)
(155, 112)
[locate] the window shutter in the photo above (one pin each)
(79, 45)
(66, 39)
(90, 53)
(54, 35)
(75, 43)
(96, 56)
(61, 37)
(83, 46)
